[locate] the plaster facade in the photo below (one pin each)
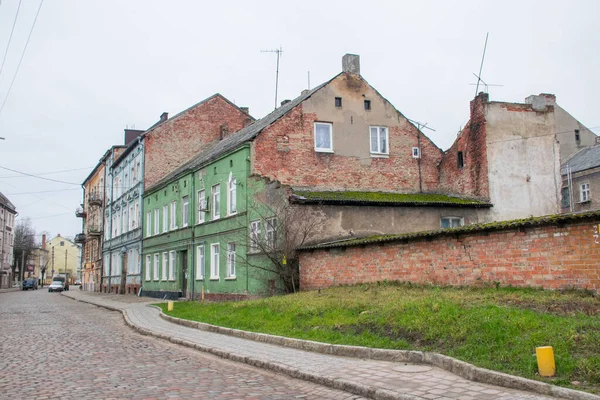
(64, 256)
(507, 154)
(8, 213)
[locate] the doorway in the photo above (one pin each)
(184, 273)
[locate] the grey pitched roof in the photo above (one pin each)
(248, 133)
(586, 158)
(6, 203)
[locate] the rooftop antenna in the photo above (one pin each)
(485, 85)
(278, 52)
(420, 124)
(481, 66)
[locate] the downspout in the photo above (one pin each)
(193, 250)
(112, 186)
(141, 215)
(419, 160)
(249, 159)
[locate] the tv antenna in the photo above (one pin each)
(481, 65)
(485, 85)
(420, 124)
(278, 52)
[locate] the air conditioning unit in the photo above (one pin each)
(203, 205)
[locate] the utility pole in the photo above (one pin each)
(66, 276)
(52, 261)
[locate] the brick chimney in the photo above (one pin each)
(351, 63)
(44, 242)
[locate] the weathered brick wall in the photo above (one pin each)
(472, 179)
(285, 152)
(552, 256)
(182, 137)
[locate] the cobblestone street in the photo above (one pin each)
(57, 348)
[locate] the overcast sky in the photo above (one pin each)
(93, 68)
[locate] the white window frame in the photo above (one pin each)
(185, 210)
(173, 215)
(165, 218)
(231, 195)
(379, 130)
(216, 201)
(200, 262)
(156, 261)
(584, 192)
(201, 201)
(148, 267)
(451, 220)
(255, 230)
(214, 261)
(124, 220)
(136, 213)
(149, 224)
(156, 221)
(271, 233)
(320, 148)
(172, 264)
(230, 260)
(165, 266)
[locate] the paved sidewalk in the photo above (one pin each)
(368, 378)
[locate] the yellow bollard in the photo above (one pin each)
(545, 359)
(170, 306)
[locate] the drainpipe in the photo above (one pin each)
(247, 224)
(112, 186)
(193, 224)
(141, 211)
(419, 161)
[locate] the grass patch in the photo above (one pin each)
(497, 329)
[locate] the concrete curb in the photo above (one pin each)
(460, 368)
(10, 290)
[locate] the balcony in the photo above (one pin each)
(79, 213)
(96, 198)
(94, 230)
(80, 238)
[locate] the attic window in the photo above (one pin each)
(367, 105)
(577, 136)
(461, 160)
(338, 101)
(230, 163)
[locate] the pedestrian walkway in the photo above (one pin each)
(368, 378)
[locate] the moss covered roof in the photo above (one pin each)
(493, 226)
(384, 199)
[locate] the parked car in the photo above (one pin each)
(77, 282)
(56, 286)
(29, 283)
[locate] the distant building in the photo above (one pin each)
(7, 239)
(581, 180)
(64, 256)
(40, 261)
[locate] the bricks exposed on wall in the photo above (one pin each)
(285, 152)
(182, 137)
(472, 178)
(552, 257)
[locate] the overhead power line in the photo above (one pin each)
(21, 59)
(10, 37)
(48, 173)
(43, 191)
(40, 177)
